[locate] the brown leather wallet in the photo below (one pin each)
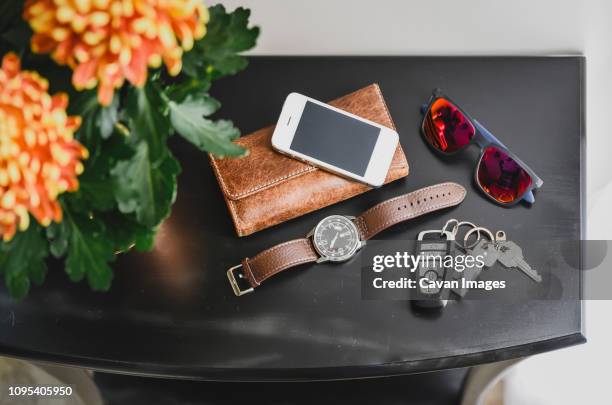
(266, 188)
(349, 235)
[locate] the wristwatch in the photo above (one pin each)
(338, 238)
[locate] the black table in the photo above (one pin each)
(172, 312)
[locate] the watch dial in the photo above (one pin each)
(336, 238)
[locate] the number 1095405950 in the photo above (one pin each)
(40, 391)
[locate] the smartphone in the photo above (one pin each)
(334, 140)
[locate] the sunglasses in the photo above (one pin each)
(500, 174)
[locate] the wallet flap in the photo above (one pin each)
(267, 168)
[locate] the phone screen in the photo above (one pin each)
(335, 138)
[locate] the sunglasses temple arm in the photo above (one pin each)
(529, 197)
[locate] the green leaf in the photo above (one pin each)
(38, 271)
(96, 186)
(17, 284)
(98, 121)
(193, 87)
(148, 119)
(216, 54)
(57, 235)
(188, 120)
(145, 239)
(126, 232)
(107, 118)
(144, 187)
(23, 259)
(89, 252)
(95, 195)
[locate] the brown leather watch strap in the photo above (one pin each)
(408, 206)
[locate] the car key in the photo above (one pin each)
(511, 256)
(433, 246)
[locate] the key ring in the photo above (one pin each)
(458, 224)
(476, 229)
(455, 229)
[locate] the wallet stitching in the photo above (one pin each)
(235, 215)
(271, 182)
(308, 168)
(230, 203)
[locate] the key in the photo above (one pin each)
(487, 250)
(469, 274)
(511, 256)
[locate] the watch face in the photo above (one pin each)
(336, 238)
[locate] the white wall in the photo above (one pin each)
(485, 27)
(418, 27)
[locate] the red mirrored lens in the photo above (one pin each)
(446, 128)
(502, 177)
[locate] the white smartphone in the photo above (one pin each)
(334, 140)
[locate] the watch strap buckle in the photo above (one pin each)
(231, 276)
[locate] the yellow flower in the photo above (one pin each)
(39, 157)
(108, 41)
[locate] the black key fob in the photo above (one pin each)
(433, 248)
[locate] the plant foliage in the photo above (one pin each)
(130, 179)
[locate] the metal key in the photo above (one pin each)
(469, 274)
(487, 250)
(511, 256)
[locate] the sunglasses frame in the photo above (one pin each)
(483, 139)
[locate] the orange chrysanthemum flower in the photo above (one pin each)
(39, 157)
(108, 41)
